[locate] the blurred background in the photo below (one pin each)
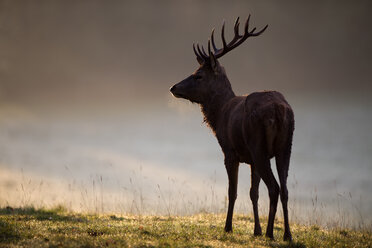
(87, 120)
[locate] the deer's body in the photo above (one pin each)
(250, 129)
(243, 120)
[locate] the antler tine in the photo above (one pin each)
(213, 44)
(259, 32)
(209, 47)
(204, 53)
(203, 56)
(196, 53)
(236, 27)
(223, 36)
(193, 47)
(199, 51)
(247, 25)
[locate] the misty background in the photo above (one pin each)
(87, 120)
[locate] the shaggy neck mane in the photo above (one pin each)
(211, 107)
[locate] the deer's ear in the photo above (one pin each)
(214, 62)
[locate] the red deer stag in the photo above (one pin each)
(250, 129)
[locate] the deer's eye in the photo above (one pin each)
(197, 77)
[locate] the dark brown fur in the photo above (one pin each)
(250, 129)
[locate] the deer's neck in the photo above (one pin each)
(212, 107)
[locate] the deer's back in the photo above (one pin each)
(261, 119)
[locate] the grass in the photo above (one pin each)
(29, 227)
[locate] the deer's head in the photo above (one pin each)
(210, 78)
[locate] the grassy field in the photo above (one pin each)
(31, 227)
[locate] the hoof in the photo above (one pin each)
(228, 229)
(287, 237)
(270, 236)
(257, 232)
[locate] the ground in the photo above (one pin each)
(29, 227)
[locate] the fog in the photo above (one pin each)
(87, 120)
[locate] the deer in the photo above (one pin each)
(250, 129)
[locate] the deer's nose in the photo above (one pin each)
(173, 88)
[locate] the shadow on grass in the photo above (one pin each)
(8, 232)
(55, 214)
(288, 244)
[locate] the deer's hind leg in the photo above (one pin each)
(263, 168)
(282, 165)
(255, 182)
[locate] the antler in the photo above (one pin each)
(238, 39)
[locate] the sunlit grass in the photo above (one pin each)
(29, 227)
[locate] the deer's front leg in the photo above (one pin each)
(255, 182)
(232, 168)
